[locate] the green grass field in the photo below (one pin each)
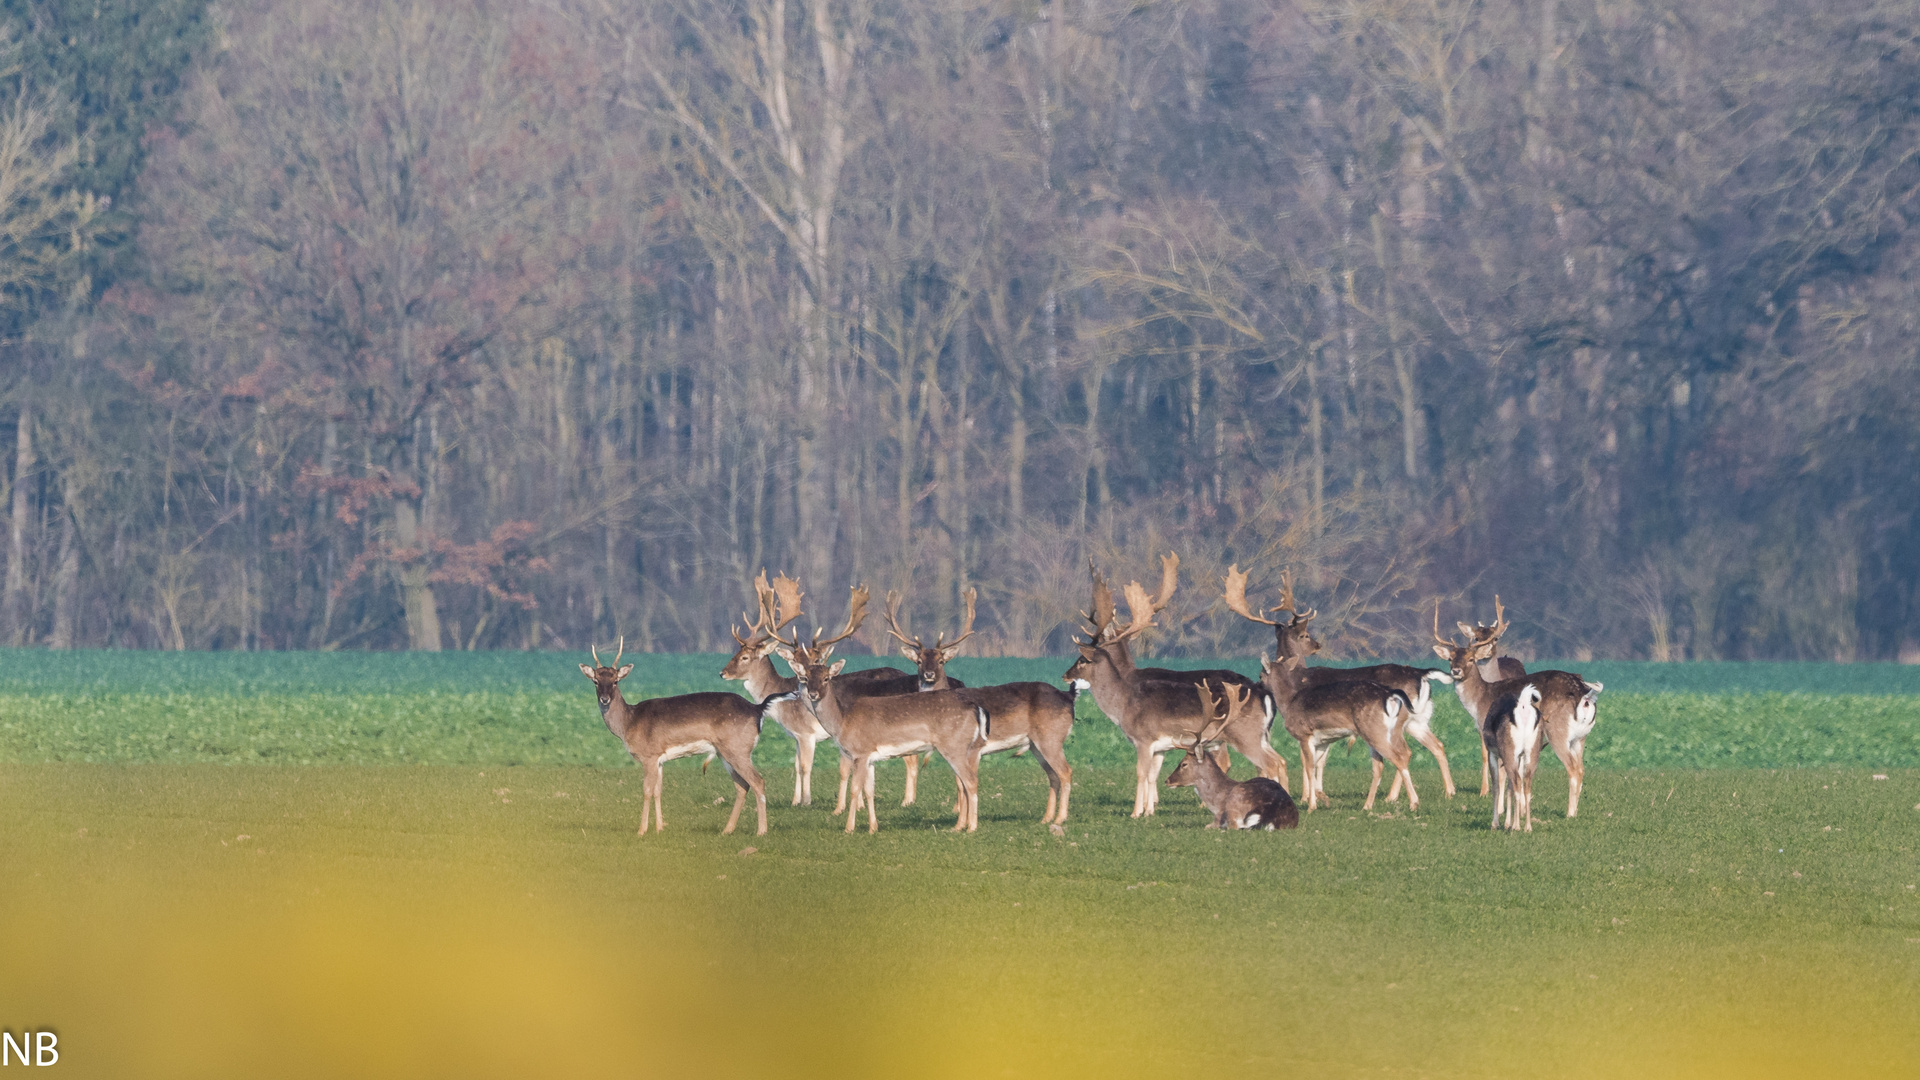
(452, 887)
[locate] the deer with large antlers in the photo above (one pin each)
(658, 730)
(1101, 618)
(1320, 713)
(752, 665)
(1258, 803)
(1160, 715)
(1569, 704)
(1294, 640)
(871, 729)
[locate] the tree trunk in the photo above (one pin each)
(423, 614)
(14, 603)
(66, 585)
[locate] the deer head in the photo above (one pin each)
(606, 677)
(1481, 641)
(931, 660)
(1293, 639)
(809, 660)
(1217, 713)
(779, 605)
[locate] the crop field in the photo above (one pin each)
(326, 865)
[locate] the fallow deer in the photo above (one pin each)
(1294, 640)
(1569, 704)
(1035, 716)
(658, 730)
(1512, 737)
(871, 729)
(752, 665)
(1102, 615)
(1319, 713)
(1258, 803)
(1157, 716)
(1026, 715)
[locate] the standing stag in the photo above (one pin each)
(1156, 715)
(752, 665)
(1319, 715)
(1102, 616)
(872, 729)
(1258, 803)
(658, 730)
(1569, 704)
(1294, 641)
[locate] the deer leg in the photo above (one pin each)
(852, 770)
(646, 798)
(840, 801)
(1413, 797)
(913, 780)
(1153, 782)
(1143, 760)
(1375, 788)
(1486, 764)
(802, 770)
(873, 823)
(1576, 777)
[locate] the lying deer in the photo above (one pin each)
(659, 730)
(871, 729)
(1258, 803)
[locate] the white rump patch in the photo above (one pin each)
(1251, 820)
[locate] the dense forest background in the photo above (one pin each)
(444, 324)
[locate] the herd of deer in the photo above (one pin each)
(878, 714)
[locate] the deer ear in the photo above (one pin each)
(588, 672)
(1443, 653)
(948, 654)
(624, 672)
(838, 665)
(910, 653)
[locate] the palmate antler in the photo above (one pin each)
(1233, 699)
(1234, 592)
(1102, 614)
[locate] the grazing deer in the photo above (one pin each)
(1156, 715)
(1258, 803)
(1294, 641)
(1569, 704)
(752, 665)
(871, 729)
(658, 730)
(1512, 737)
(1320, 713)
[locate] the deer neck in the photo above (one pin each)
(764, 680)
(1476, 693)
(618, 714)
(828, 713)
(1111, 689)
(1209, 781)
(1286, 678)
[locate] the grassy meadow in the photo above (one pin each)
(428, 867)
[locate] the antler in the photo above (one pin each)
(966, 628)
(1169, 579)
(1286, 591)
(1102, 614)
(616, 655)
(856, 614)
(1235, 594)
(1234, 699)
(893, 622)
(786, 596)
